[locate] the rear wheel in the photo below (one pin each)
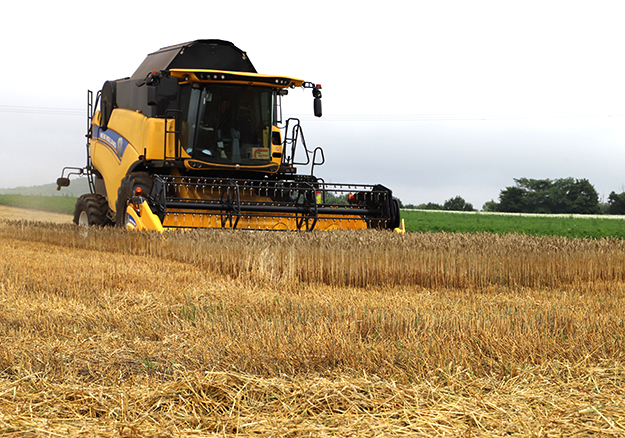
(127, 191)
(91, 210)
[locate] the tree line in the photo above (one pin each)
(457, 203)
(558, 196)
(549, 196)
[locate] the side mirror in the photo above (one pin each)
(62, 182)
(317, 104)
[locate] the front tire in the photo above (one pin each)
(91, 210)
(127, 191)
(395, 220)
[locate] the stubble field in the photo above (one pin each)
(109, 333)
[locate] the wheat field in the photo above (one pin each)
(219, 333)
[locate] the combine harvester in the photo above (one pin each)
(194, 139)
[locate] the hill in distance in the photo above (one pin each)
(78, 186)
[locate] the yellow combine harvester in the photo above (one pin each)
(194, 139)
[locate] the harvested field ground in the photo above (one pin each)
(109, 333)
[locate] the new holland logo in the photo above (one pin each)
(132, 222)
(112, 140)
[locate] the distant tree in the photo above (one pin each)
(582, 197)
(490, 206)
(565, 195)
(616, 203)
(512, 200)
(457, 204)
(538, 195)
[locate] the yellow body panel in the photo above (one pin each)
(107, 159)
(153, 136)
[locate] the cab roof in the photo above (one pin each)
(197, 55)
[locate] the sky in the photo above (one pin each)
(432, 99)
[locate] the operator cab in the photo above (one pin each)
(227, 124)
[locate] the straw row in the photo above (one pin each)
(361, 258)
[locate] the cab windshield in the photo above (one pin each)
(227, 124)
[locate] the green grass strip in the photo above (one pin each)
(535, 225)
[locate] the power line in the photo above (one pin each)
(460, 117)
(42, 110)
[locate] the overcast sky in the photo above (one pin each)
(431, 98)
